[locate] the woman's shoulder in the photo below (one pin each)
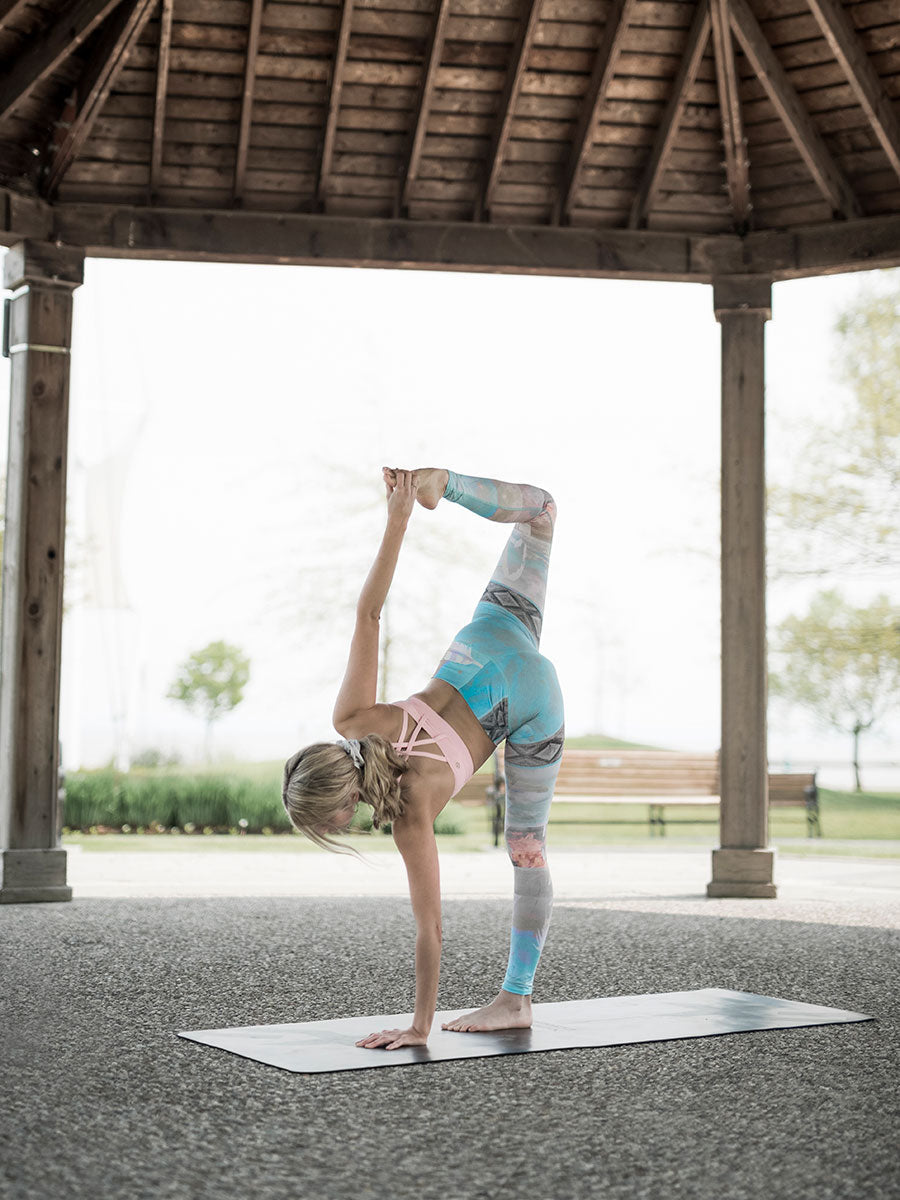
(383, 719)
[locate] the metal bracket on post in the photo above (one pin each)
(7, 317)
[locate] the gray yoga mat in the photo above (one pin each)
(316, 1046)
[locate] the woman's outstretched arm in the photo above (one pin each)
(360, 686)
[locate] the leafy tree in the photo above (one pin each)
(841, 663)
(211, 682)
(842, 509)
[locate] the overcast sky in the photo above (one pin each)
(228, 427)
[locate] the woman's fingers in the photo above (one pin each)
(379, 1039)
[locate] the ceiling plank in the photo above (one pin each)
(116, 40)
(163, 57)
(9, 9)
(737, 162)
(240, 165)
(334, 99)
(433, 56)
(828, 176)
(698, 39)
(49, 47)
(617, 20)
(527, 29)
(845, 45)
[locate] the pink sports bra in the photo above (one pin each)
(454, 751)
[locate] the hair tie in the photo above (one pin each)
(353, 748)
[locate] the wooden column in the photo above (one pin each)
(43, 277)
(743, 866)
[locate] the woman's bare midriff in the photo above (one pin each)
(449, 704)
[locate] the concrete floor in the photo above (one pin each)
(103, 1100)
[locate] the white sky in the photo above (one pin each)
(260, 401)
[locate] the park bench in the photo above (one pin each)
(660, 779)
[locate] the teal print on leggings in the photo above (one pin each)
(495, 663)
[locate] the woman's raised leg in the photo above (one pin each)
(519, 580)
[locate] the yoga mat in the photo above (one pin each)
(311, 1047)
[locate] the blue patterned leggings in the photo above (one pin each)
(494, 662)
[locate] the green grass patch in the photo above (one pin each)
(171, 808)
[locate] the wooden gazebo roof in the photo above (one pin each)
(152, 126)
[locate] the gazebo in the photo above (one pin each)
(725, 142)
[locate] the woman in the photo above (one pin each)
(408, 758)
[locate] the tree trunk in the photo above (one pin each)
(856, 730)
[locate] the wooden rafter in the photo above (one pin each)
(162, 87)
(9, 9)
(861, 75)
(698, 39)
(604, 68)
(334, 98)
(426, 89)
(737, 162)
(527, 29)
(240, 164)
(828, 176)
(119, 35)
(48, 49)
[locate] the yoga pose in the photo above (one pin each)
(407, 759)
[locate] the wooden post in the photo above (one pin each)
(43, 277)
(743, 866)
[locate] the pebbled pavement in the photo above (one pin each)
(101, 1099)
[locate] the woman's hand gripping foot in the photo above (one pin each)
(430, 483)
(507, 1011)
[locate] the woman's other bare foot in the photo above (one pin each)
(430, 483)
(507, 1011)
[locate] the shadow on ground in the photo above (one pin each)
(103, 1100)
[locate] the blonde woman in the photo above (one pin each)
(407, 759)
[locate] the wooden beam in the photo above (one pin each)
(527, 29)
(737, 162)
(23, 217)
(120, 231)
(432, 62)
(48, 49)
(240, 164)
(163, 55)
(845, 46)
(697, 41)
(334, 99)
(117, 39)
(9, 10)
(827, 174)
(618, 17)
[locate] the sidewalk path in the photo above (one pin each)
(832, 890)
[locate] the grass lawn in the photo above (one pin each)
(847, 818)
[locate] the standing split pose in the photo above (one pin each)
(407, 759)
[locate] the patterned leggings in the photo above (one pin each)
(495, 664)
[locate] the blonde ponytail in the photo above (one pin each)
(321, 780)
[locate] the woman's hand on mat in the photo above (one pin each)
(401, 496)
(393, 1039)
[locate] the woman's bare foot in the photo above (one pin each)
(430, 483)
(507, 1011)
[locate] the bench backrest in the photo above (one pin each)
(643, 773)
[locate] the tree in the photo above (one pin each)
(841, 663)
(841, 511)
(211, 682)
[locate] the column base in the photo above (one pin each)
(739, 872)
(33, 876)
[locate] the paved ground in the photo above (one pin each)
(102, 1100)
